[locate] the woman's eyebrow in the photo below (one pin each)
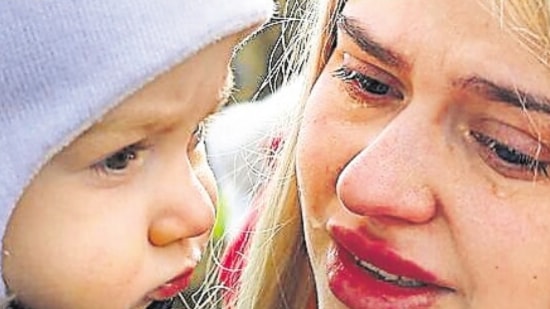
(481, 86)
(361, 36)
(507, 94)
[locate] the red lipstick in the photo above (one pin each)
(365, 273)
(172, 287)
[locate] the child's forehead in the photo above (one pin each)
(182, 97)
(163, 105)
(124, 125)
(146, 117)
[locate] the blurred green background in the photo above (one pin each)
(257, 65)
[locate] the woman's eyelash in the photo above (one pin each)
(366, 83)
(511, 155)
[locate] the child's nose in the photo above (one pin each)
(388, 178)
(185, 209)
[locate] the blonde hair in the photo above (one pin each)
(529, 21)
(278, 274)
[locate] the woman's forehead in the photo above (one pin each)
(467, 35)
(436, 21)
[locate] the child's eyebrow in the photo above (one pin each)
(156, 118)
(126, 127)
(150, 118)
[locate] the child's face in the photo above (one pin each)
(129, 205)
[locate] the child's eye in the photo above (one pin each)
(118, 162)
(197, 136)
(510, 161)
(366, 88)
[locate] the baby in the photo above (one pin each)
(106, 198)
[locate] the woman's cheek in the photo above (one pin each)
(318, 159)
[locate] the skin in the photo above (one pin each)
(408, 168)
(94, 231)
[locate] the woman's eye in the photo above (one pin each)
(198, 135)
(370, 88)
(514, 160)
(118, 162)
(366, 83)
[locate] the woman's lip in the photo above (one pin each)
(389, 282)
(172, 287)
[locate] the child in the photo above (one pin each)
(106, 199)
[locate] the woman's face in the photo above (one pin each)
(423, 162)
(121, 216)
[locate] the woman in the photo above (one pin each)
(417, 176)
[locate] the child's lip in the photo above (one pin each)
(172, 287)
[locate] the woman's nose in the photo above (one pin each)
(185, 209)
(389, 177)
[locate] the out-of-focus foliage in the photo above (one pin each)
(251, 63)
(257, 67)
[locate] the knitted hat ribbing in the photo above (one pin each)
(64, 64)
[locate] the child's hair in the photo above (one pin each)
(65, 64)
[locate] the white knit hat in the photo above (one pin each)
(64, 64)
